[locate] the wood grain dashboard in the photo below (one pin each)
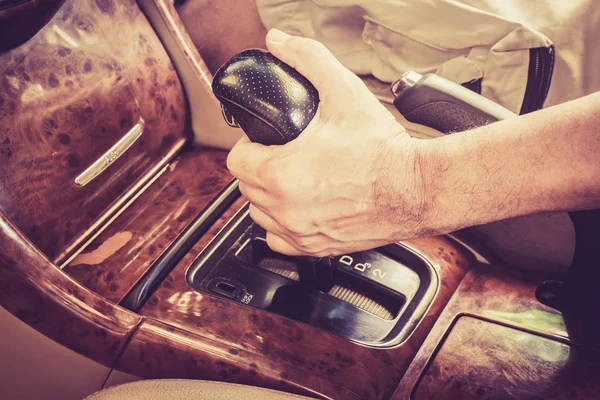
(495, 340)
(74, 90)
(68, 95)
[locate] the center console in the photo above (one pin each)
(409, 320)
(374, 297)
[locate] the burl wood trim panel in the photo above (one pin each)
(158, 350)
(499, 295)
(41, 295)
(66, 96)
(290, 346)
(184, 43)
(483, 360)
(121, 254)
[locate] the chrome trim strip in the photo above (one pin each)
(122, 201)
(113, 217)
(112, 154)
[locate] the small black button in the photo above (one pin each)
(226, 288)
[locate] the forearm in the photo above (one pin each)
(545, 161)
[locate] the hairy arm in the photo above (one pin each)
(354, 179)
(545, 161)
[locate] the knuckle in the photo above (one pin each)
(267, 172)
(284, 188)
(326, 253)
(307, 47)
(302, 228)
(232, 161)
(297, 44)
(243, 189)
(288, 225)
(320, 250)
(304, 243)
(273, 243)
(253, 211)
(310, 246)
(291, 225)
(317, 47)
(283, 183)
(263, 176)
(277, 244)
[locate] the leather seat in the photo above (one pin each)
(183, 389)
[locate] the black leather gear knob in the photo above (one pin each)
(266, 97)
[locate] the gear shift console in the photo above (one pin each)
(375, 297)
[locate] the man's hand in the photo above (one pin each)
(355, 180)
(351, 181)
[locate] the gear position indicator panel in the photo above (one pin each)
(374, 265)
(376, 297)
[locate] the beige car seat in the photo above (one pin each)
(185, 389)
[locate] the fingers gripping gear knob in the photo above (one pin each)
(273, 104)
(266, 97)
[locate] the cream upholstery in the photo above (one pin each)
(183, 389)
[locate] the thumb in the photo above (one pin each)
(310, 58)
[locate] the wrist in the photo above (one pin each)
(476, 177)
(432, 167)
(402, 188)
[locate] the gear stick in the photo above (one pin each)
(273, 104)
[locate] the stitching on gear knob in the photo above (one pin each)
(268, 99)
